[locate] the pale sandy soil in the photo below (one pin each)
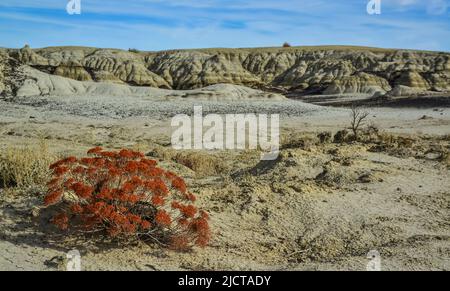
(310, 209)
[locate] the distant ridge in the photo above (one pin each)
(305, 70)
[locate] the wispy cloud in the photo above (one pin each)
(164, 24)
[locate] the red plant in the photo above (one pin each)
(125, 194)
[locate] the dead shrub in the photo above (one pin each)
(358, 118)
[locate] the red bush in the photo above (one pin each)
(125, 194)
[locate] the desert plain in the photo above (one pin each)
(325, 203)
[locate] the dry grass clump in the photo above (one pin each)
(343, 136)
(203, 164)
(162, 153)
(397, 145)
(429, 148)
(397, 140)
(304, 141)
(25, 166)
(446, 160)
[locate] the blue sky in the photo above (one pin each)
(170, 24)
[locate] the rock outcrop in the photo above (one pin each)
(308, 70)
(3, 57)
(412, 79)
(73, 71)
(27, 56)
(42, 84)
(359, 83)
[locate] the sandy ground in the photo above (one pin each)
(318, 207)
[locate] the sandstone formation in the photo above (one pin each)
(39, 83)
(412, 79)
(73, 71)
(307, 70)
(401, 90)
(3, 57)
(359, 83)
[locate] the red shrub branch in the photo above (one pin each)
(125, 194)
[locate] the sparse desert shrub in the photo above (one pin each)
(286, 45)
(387, 139)
(399, 146)
(446, 160)
(25, 166)
(395, 141)
(342, 136)
(162, 153)
(304, 141)
(124, 194)
(405, 142)
(372, 128)
(324, 137)
(202, 164)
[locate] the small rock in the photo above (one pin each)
(425, 117)
(365, 178)
(433, 156)
(56, 262)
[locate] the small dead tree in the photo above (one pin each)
(358, 117)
